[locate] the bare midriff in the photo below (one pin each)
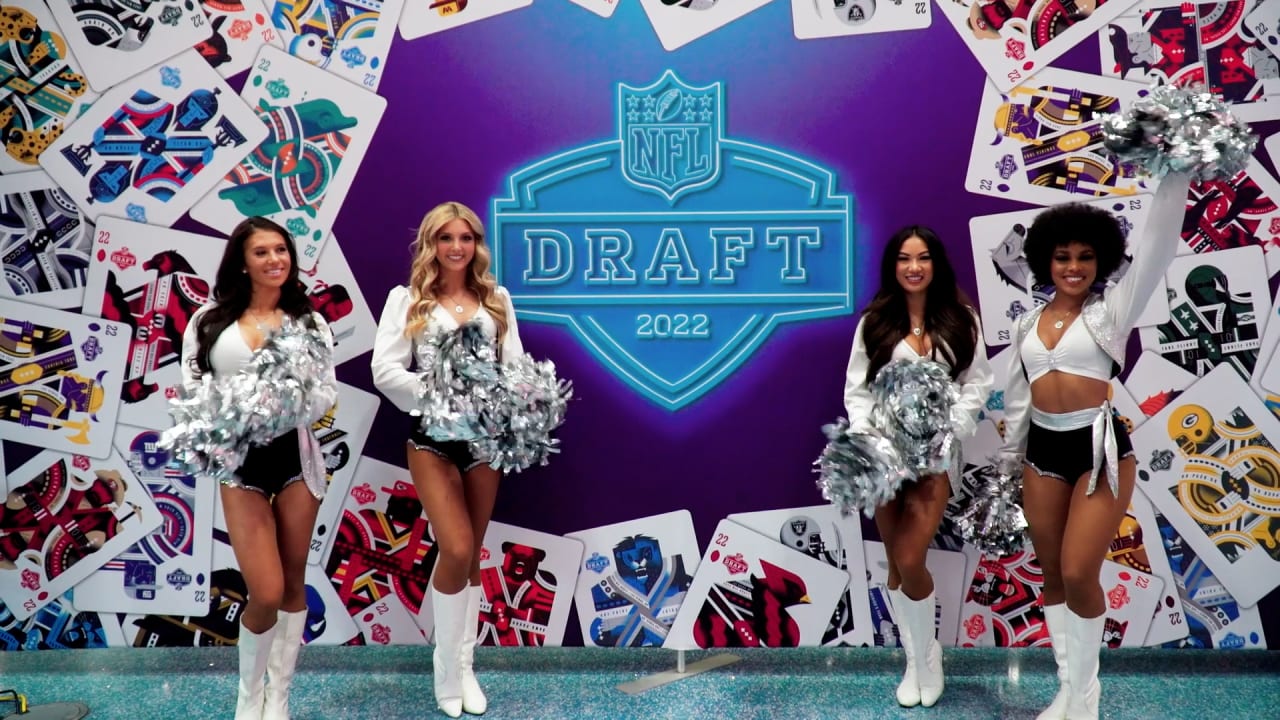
(1061, 392)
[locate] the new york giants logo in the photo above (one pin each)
(671, 250)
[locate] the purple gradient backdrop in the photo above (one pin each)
(894, 116)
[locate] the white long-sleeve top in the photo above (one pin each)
(230, 353)
(975, 383)
(393, 351)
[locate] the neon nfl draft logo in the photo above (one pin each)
(671, 250)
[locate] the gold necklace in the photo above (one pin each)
(1063, 320)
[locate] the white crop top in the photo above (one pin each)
(1076, 353)
(393, 352)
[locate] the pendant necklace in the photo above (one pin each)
(262, 326)
(1063, 320)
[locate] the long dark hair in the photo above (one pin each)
(947, 319)
(232, 288)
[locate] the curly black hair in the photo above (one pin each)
(1062, 225)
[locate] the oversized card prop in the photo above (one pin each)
(1214, 618)
(45, 241)
(1238, 211)
(1155, 382)
(317, 132)
(342, 433)
(1267, 349)
(603, 8)
(60, 378)
(1206, 43)
(57, 626)
(335, 295)
(1208, 463)
(633, 579)
(153, 279)
(526, 578)
(1014, 41)
(424, 17)
(349, 39)
(948, 570)
(1218, 307)
(381, 558)
(680, 22)
(44, 84)
(1041, 142)
(167, 572)
(218, 622)
(115, 39)
(237, 30)
(838, 18)
(751, 591)
(153, 145)
(1138, 546)
(64, 517)
(821, 532)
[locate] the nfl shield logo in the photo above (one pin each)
(670, 134)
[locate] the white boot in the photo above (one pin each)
(1055, 618)
(919, 617)
(450, 612)
(473, 699)
(254, 649)
(282, 661)
(909, 689)
(1084, 642)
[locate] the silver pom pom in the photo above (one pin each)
(913, 409)
(458, 381)
(216, 423)
(529, 404)
(990, 514)
(1180, 129)
(859, 471)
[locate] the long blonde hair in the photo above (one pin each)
(425, 274)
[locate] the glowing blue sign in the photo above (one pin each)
(671, 250)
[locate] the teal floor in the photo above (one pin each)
(395, 683)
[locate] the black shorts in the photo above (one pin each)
(1067, 455)
(457, 452)
(270, 468)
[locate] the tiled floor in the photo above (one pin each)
(395, 683)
